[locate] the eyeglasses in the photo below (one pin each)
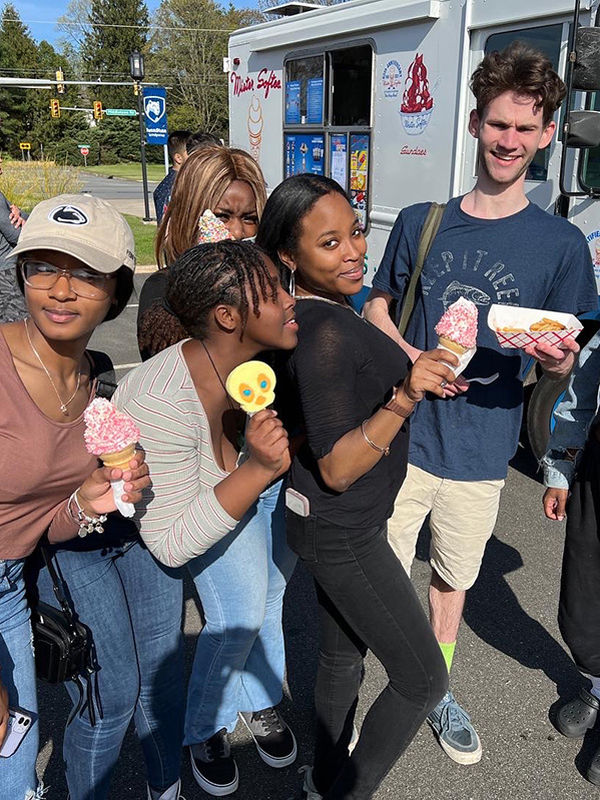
(84, 282)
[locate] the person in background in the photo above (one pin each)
(75, 267)
(12, 219)
(176, 145)
(224, 180)
(572, 465)
(202, 139)
(346, 386)
(219, 508)
(493, 246)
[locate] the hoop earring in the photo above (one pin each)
(292, 283)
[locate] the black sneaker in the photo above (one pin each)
(274, 741)
(213, 766)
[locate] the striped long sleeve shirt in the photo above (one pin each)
(179, 516)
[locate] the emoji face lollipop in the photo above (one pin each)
(253, 386)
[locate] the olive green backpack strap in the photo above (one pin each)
(428, 233)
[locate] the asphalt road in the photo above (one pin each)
(126, 195)
(510, 668)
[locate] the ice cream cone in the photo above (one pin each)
(450, 344)
(120, 459)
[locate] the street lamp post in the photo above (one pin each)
(136, 70)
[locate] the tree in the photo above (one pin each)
(106, 47)
(191, 60)
(18, 54)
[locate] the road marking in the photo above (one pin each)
(128, 366)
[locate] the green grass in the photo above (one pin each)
(132, 171)
(144, 240)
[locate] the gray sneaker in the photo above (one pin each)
(452, 726)
(274, 741)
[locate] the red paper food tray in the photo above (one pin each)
(500, 316)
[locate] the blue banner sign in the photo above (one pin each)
(155, 114)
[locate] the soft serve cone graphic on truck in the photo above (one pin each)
(255, 126)
(417, 102)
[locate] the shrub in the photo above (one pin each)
(25, 183)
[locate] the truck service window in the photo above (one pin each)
(546, 38)
(327, 119)
(304, 91)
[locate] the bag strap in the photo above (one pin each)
(103, 372)
(428, 234)
(59, 588)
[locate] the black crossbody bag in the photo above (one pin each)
(64, 648)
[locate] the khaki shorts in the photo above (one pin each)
(463, 516)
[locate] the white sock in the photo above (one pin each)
(172, 793)
(595, 690)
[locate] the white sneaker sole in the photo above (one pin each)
(459, 756)
(216, 790)
(277, 763)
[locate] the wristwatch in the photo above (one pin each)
(398, 408)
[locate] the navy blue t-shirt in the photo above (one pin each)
(162, 194)
(528, 259)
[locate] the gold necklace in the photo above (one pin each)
(64, 404)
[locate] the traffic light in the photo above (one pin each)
(60, 87)
(97, 109)
(54, 108)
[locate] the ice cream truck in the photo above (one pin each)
(375, 94)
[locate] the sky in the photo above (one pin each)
(40, 15)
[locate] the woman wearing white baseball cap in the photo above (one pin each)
(75, 263)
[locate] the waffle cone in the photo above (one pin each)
(120, 459)
(450, 344)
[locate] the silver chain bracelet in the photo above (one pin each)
(86, 524)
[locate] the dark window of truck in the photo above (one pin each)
(590, 172)
(351, 86)
(546, 38)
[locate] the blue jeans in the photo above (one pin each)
(240, 655)
(17, 773)
(133, 607)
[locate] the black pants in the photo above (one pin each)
(579, 607)
(365, 601)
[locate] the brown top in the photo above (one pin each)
(41, 463)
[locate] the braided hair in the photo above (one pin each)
(230, 272)
(157, 330)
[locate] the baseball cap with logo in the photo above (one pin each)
(82, 226)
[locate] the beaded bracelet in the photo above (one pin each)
(86, 524)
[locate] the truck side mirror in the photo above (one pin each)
(584, 129)
(586, 71)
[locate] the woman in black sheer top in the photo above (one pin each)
(348, 388)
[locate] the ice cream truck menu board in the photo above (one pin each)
(338, 164)
(314, 101)
(292, 103)
(359, 175)
(304, 152)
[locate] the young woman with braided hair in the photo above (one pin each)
(216, 508)
(227, 182)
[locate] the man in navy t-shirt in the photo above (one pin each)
(493, 246)
(176, 146)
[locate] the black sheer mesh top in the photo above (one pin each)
(341, 372)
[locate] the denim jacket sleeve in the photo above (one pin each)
(573, 416)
